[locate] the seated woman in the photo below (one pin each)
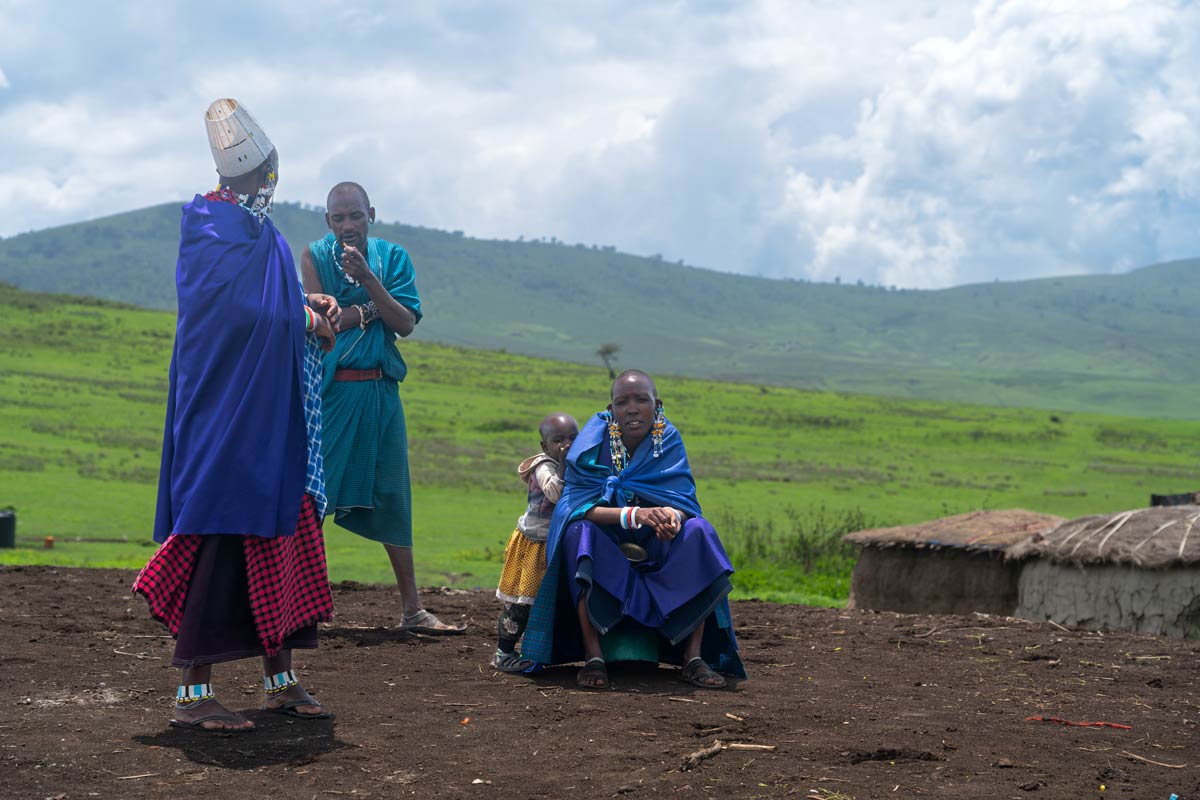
(628, 551)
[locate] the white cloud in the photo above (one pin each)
(1046, 140)
(918, 144)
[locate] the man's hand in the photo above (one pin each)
(325, 334)
(354, 265)
(326, 306)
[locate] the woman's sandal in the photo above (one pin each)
(427, 623)
(594, 674)
(276, 685)
(510, 662)
(288, 708)
(224, 715)
(700, 674)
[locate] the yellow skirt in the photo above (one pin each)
(524, 568)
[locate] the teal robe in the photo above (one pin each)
(365, 444)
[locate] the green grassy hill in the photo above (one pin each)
(1118, 344)
(781, 471)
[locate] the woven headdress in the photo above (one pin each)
(237, 140)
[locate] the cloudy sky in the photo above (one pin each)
(908, 143)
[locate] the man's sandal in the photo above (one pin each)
(510, 662)
(700, 674)
(425, 622)
(195, 696)
(594, 674)
(276, 685)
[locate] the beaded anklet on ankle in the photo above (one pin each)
(195, 693)
(280, 682)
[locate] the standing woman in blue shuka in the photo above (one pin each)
(241, 567)
(629, 553)
(366, 442)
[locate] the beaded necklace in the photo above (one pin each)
(260, 208)
(222, 194)
(337, 262)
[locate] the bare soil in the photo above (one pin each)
(854, 704)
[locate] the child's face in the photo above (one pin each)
(560, 437)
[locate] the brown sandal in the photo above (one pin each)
(224, 715)
(700, 674)
(288, 707)
(594, 675)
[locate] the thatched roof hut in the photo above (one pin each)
(952, 565)
(1133, 570)
(1145, 537)
(974, 531)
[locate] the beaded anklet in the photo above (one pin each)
(196, 693)
(280, 682)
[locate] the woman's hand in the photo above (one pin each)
(355, 265)
(325, 334)
(666, 521)
(326, 306)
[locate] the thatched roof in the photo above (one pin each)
(976, 530)
(1147, 537)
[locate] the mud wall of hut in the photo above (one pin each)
(933, 581)
(1120, 596)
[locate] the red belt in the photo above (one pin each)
(358, 374)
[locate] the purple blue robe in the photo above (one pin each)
(682, 583)
(235, 442)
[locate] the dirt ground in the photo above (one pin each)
(853, 704)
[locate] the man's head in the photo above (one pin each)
(348, 211)
(634, 401)
(558, 432)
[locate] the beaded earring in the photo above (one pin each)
(620, 456)
(657, 430)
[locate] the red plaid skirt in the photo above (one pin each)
(286, 578)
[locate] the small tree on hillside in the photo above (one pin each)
(608, 354)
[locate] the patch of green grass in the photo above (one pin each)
(781, 472)
(1107, 343)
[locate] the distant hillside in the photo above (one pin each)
(1121, 344)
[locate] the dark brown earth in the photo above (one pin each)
(856, 705)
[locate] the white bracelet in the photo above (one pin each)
(633, 523)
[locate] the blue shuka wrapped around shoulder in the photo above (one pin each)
(235, 442)
(665, 480)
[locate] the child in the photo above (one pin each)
(525, 556)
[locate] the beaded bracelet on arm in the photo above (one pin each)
(367, 313)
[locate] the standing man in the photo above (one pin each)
(241, 567)
(365, 442)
